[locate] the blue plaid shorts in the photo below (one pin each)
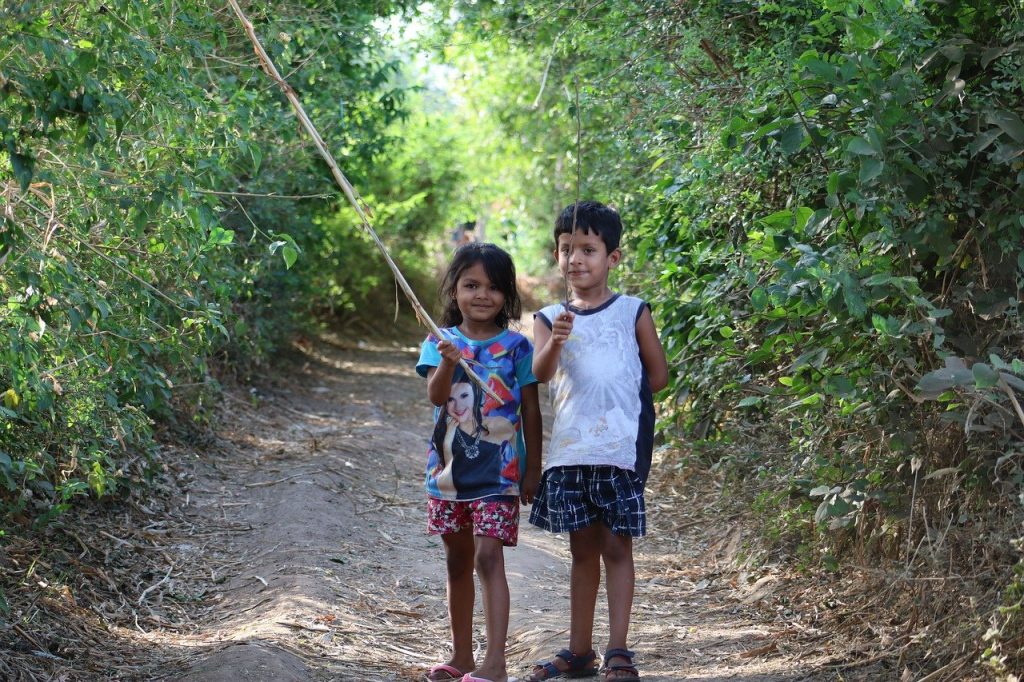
(573, 497)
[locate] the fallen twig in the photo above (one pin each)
(154, 586)
(275, 482)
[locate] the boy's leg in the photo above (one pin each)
(584, 580)
(620, 579)
(490, 566)
(459, 550)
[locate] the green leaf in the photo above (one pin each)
(819, 68)
(870, 169)
(998, 362)
(859, 145)
(877, 280)
(833, 182)
(220, 237)
(1012, 380)
(1009, 122)
(852, 296)
(984, 375)
(759, 299)
(257, 158)
(993, 53)
(727, 332)
(841, 386)
(750, 401)
(792, 138)
(937, 382)
(983, 140)
(290, 255)
(23, 167)
(939, 473)
(779, 220)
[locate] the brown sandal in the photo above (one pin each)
(580, 665)
(608, 669)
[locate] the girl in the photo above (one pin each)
(483, 456)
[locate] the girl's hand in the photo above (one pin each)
(561, 328)
(450, 353)
(528, 487)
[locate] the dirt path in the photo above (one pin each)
(320, 567)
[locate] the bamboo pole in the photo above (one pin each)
(347, 188)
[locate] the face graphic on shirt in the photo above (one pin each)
(460, 403)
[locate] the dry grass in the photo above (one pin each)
(898, 610)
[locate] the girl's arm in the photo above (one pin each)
(547, 344)
(439, 379)
(533, 435)
(652, 355)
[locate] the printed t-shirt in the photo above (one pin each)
(477, 448)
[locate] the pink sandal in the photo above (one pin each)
(452, 672)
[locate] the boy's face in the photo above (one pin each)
(584, 260)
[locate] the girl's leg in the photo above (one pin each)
(490, 566)
(584, 580)
(459, 550)
(617, 551)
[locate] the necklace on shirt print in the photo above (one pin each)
(472, 451)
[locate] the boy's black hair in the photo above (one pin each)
(500, 270)
(591, 216)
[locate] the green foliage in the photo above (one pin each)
(157, 200)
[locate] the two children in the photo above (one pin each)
(601, 354)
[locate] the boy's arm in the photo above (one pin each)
(439, 379)
(547, 344)
(533, 436)
(652, 354)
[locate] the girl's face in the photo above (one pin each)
(479, 299)
(460, 402)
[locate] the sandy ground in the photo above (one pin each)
(321, 568)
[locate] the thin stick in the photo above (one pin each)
(576, 203)
(347, 188)
(154, 586)
(1013, 398)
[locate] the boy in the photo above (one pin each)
(602, 357)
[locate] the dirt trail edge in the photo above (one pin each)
(321, 568)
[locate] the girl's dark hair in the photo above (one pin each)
(500, 270)
(441, 424)
(591, 216)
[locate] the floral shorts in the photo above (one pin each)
(489, 518)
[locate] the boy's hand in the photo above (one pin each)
(528, 486)
(450, 353)
(561, 328)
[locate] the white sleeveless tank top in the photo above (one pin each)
(596, 390)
